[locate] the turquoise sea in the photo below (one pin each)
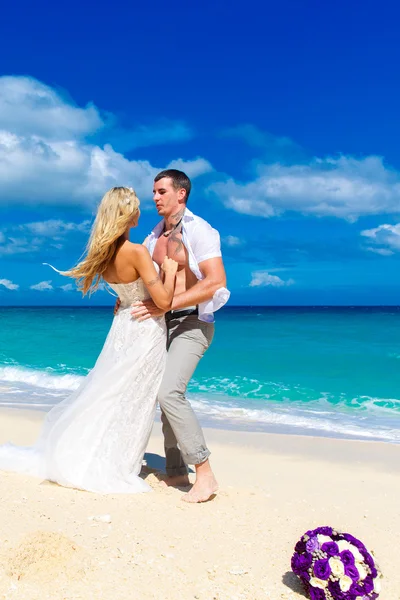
(318, 371)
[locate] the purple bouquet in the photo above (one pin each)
(335, 566)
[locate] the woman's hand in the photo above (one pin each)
(169, 266)
(141, 311)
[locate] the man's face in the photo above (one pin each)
(167, 199)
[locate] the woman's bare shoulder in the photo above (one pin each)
(134, 250)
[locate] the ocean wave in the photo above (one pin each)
(233, 402)
(319, 420)
(240, 387)
(244, 390)
(43, 379)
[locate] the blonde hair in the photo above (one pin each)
(114, 215)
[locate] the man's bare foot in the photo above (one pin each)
(203, 490)
(176, 481)
(205, 485)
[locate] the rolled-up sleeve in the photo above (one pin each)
(203, 242)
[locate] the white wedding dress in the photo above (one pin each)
(96, 438)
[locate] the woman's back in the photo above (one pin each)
(122, 267)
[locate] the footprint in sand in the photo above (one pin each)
(45, 556)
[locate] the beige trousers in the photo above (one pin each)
(188, 339)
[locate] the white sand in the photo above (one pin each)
(238, 546)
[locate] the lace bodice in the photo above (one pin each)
(130, 292)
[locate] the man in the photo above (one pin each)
(200, 289)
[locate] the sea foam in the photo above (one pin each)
(239, 402)
(42, 379)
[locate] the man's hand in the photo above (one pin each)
(141, 311)
(117, 305)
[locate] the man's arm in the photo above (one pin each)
(214, 278)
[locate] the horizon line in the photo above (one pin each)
(109, 306)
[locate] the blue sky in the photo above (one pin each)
(284, 114)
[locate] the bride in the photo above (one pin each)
(95, 439)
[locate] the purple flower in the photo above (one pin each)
(309, 533)
(350, 538)
(322, 531)
(322, 569)
(352, 572)
(331, 548)
(300, 547)
(369, 560)
(301, 563)
(368, 585)
(358, 589)
(374, 572)
(347, 558)
(364, 589)
(316, 594)
(312, 545)
(336, 592)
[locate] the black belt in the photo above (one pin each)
(176, 314)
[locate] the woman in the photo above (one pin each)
(95, 439)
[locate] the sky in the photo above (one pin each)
(285, 116)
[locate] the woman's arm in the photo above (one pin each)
(161, 293)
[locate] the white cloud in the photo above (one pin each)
(192, 168)
(55, 227)
(9, 284)
(68, 287)
(382, 251)
(42, 286)
(232, 241)
(37, 171)
(47, 158)
(65, 172)
(32, 237)
(343, 187)
(264, 279)
(16, 245)
(27, 105)
(385, 235)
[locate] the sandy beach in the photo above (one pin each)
(61, 543)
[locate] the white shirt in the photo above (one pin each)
(201, 242)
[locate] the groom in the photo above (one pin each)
(200, 289)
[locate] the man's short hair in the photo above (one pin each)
(179, 180)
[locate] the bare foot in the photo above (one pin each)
(203, 490)
(176, 481)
